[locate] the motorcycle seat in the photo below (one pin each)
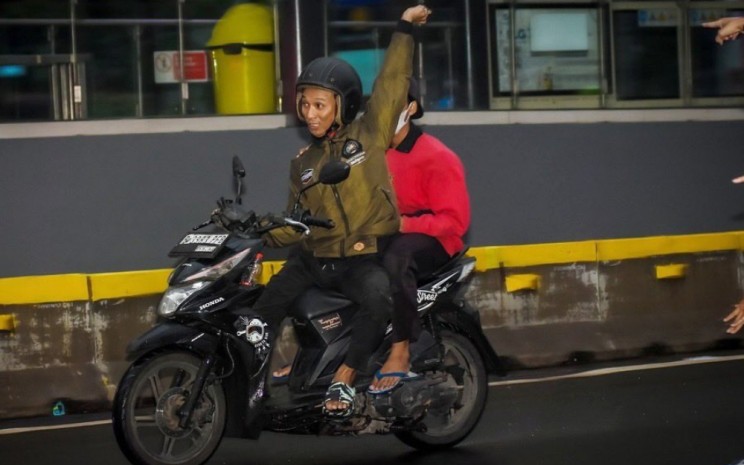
(316, 302)
(451, 263)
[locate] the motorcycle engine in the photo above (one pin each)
(413, 398)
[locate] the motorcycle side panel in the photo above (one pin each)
(329, 314)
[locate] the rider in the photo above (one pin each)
(362, 207)
(429, 182)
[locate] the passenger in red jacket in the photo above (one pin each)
(429, 183)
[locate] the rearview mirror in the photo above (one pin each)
(334, 172)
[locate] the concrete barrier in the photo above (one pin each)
(540, 305)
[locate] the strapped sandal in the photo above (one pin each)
(340, 392)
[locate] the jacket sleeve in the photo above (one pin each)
(448, 201)
(283, 237)
(390, 89)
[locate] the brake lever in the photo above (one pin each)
(297, 224)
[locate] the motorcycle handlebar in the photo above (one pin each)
(235, 221)
(319, 222)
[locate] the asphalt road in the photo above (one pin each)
(690, 414)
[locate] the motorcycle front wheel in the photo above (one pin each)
(146, 406)
(467, 376)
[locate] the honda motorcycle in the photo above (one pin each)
(201, 372)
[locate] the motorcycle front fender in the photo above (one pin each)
(239, 388)
(172, 334)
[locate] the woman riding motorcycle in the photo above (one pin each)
(363, 209)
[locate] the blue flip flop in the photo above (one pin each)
(401, 375)
(279, 380)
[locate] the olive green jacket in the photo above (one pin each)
(363, 206)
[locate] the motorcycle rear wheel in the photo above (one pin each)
(446, 429)
(145, 412)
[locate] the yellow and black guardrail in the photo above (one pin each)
(101, 286)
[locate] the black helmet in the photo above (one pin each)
(337, 76)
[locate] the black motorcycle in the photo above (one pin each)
(200, 373)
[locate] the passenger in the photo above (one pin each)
(329, 95)
(731, 28)
(433, 201)
(735, 319)
(728, 28)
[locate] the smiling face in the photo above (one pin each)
(318, 108)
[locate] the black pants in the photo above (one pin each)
(407, 258)
(361, 278)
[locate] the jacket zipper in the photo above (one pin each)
(347, 228)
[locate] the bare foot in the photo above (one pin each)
(282, 372)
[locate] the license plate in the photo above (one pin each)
(199, 245)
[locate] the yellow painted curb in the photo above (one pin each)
(128, 284)
(672, 271)
(522, 282)
(82, 287)
(40, 289)
(7, 322)
(624, 249)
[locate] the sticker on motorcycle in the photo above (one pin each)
(426, 296)
(254, 331)
(330, 322)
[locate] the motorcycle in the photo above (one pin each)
(201, 372)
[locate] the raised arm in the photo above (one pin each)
(391, 85)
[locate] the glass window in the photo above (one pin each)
(359, 32)
(546, 52)
(646, 53)
(716, 71)
(106, 65)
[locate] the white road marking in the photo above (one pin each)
(583, 374)
(31, 429)
(623, 369)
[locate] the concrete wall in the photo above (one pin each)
(580, 312)
(118, 202)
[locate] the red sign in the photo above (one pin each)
(168, 66)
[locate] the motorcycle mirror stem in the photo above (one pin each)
(238, 174)
(332, 172)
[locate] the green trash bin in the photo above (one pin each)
(242, 58)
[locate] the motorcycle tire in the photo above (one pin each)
(446, 429)
(145, 419)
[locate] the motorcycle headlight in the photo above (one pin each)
(175, 296)
(216, 271)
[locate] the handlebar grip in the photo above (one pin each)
(326, 224)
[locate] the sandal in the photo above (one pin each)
(340, 392)
(281, 376)
(401, 376)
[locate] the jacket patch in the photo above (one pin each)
(307, 176)
(353, 152)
